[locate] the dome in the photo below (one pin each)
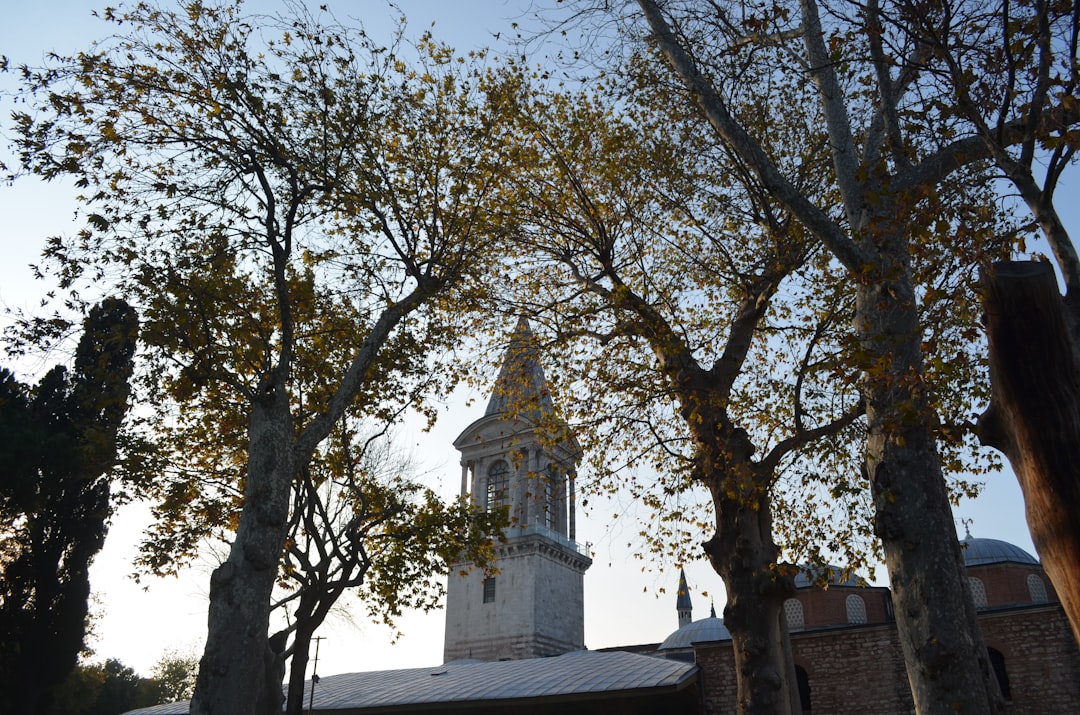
(707, 629)
(979, 552)
(810, 575)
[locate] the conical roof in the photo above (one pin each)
(521, 388)
(683, 601)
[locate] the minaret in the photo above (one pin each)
(682, 603)
(521, 457)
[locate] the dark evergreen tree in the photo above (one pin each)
(58, 444)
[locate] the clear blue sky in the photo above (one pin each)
(136, 625)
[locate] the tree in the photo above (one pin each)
(56, 459)
(1034, 336)
(891, 149)
(361, 522)
(679, 273)
(174, 675)
(281, 195)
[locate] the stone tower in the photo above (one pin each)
(521, 457)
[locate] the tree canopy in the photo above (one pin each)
(298, 212)
(58, 447)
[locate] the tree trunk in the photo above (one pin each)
(1034, 413)
(742, 552)
(294, 705)
(947, 665)
(239, 673)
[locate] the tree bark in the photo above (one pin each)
(743, 553)
(239, 673)
(1034, 413)
(948, 668)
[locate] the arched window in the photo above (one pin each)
(856, 609)
(802, 680)
(793, 612)
(498, 480)
(978, 592)
(997, 662)
(1036, 589)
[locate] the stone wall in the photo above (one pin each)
(860, 669)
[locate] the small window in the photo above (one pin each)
(497, 482)
(793, 612)
(489, 590)
(997, 662)
(978, 592)
(1036, 589)
(856, 609)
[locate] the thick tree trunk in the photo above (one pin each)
(742, 552)
(1034, 413)
(948, 668)
(239, 673)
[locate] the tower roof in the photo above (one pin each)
(683, 601)
(521, 387)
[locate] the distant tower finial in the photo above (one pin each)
(682, 603)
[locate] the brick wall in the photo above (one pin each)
(860, 669)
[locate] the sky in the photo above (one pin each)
(137, 622)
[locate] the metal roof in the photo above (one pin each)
(832, 575)
(521, 386)
(705, 630)
(563, 677)
(979, 552)
(682, 603)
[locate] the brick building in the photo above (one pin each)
(848, 657)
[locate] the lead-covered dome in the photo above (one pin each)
(831, 575)
(707, 629)
(979, 552)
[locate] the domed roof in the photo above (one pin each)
(833, 575)
(707, 629)
(979, 552)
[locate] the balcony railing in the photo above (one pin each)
(549, 533)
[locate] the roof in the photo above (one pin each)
(979, 552)
(682, 603)
(565, 677)
(809, 576)
(521, 386)
(704, 630)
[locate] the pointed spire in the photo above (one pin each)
(521, 386)
(682, 603)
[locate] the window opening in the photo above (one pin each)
(497, 482)
(1036, 589)
(978, 592)
(856, 609)
(793, 612)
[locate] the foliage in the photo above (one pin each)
(299, 213)
(362, 523)
(174, 675)
(107, 688)
(59, 445)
